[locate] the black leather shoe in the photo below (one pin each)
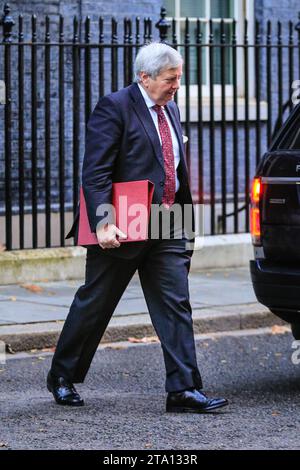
(193, 401)
(63, 391)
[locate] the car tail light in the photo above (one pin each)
(255, 211)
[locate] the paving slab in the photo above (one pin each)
(221, 299)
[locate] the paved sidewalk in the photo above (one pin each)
(31, 315)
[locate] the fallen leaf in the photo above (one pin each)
(41, 358)
(13, 298)
(48, 349)
(2, 247)
(278, 354)
(146, 339)
(33, 350)
(275, 413)
(279, 330)
(135, 340)
(32, 288)
(148, 445)
(224, 361)
(3, 444)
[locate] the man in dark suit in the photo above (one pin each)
(135, 134)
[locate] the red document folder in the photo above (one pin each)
(132, 203)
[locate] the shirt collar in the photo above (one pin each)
(149, 102)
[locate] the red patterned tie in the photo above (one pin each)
(167, 150)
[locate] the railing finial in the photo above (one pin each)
(297, 27)
(163, 25)
(7, 24)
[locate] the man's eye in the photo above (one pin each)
(170, 80)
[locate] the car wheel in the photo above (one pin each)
(296, 330)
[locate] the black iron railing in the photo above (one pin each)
(236, 85)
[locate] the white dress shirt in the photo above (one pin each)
(150, 103)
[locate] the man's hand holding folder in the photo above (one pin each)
(131, 203)
(107, 236)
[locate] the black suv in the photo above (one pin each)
(275, 225)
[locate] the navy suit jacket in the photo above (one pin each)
(122, 144)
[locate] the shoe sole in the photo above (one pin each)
(62, 403)
(177, 409)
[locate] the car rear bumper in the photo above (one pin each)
(277, 287)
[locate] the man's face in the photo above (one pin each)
(163, 88)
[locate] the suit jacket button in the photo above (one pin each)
(161, 183)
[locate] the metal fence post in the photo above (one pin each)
(7, 23)
(163, 25)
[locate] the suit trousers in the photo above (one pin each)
(163, 267)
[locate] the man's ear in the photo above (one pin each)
(144, 79)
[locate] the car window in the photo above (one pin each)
(291, 140)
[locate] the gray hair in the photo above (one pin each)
(155, 57)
